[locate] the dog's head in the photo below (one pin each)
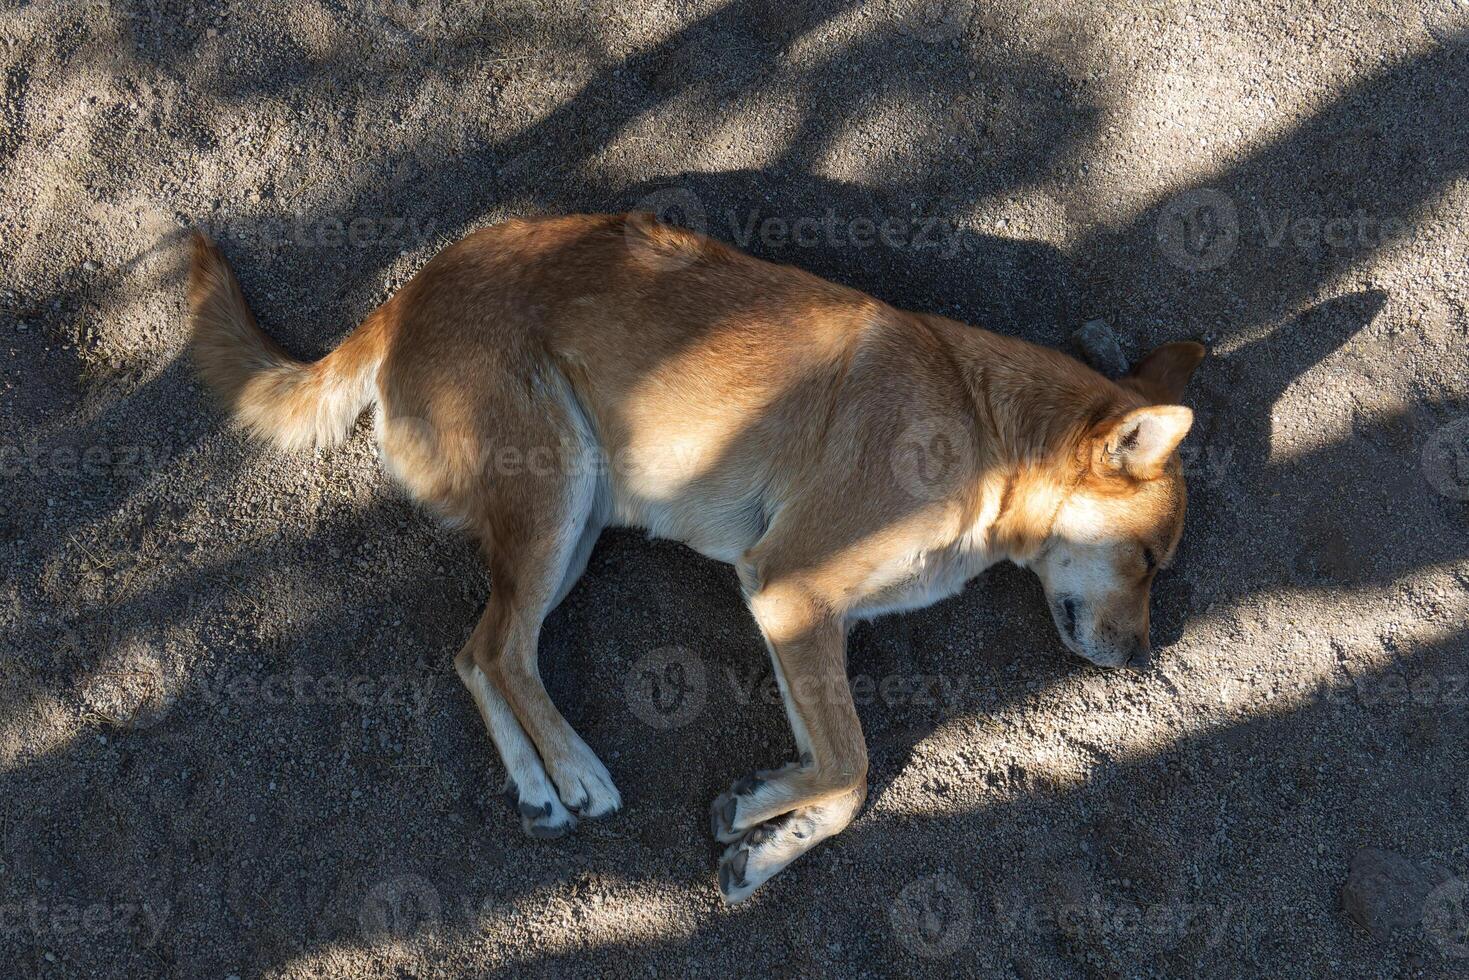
(1120, 522)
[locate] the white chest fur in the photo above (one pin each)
(925, 575)
(921, 579)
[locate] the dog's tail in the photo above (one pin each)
(271, 394)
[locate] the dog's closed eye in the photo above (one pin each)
(1069, 606)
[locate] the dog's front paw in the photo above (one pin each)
(724, 811)
(757, 854)
(542, 814)
(749, 801)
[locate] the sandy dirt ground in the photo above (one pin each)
(231, 739)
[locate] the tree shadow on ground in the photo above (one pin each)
(1173, 825)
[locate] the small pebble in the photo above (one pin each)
(1099, 347)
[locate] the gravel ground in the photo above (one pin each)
(231, 740)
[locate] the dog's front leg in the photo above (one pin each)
(771, 818)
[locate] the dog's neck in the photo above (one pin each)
(1035, 409)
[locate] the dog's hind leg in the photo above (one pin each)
(552, 768)
(537, 524)
(542, 813)
(538, 530)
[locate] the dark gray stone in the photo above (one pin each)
(1099, 347)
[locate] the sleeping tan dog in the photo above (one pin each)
(542, 379)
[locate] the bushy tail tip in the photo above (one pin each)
(271, 394)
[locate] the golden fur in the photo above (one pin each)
(542, 379)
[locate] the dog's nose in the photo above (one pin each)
(1141, 657)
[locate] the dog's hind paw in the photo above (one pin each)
(541, 814)
(584, 785)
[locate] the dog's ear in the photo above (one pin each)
(1139, 443)
(1161, 376)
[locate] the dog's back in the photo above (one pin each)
(542, 379)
